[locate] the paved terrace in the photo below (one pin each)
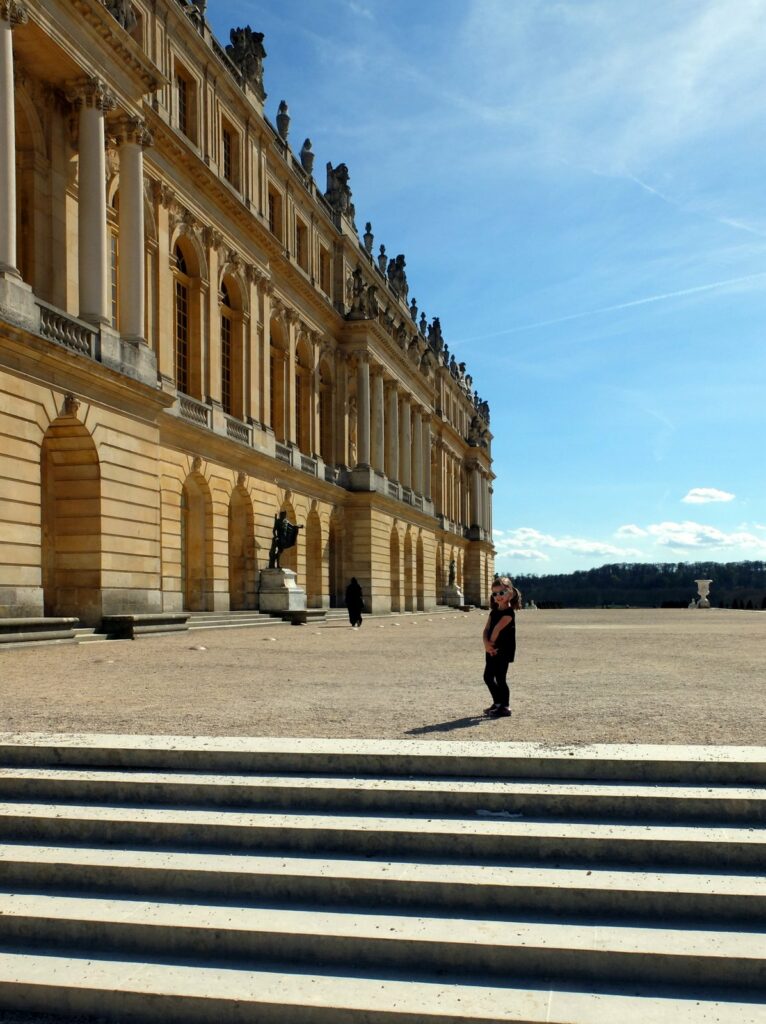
(590, 676)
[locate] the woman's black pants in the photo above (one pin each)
(355, 615)
(495, 671)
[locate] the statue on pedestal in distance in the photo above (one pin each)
(283, 535)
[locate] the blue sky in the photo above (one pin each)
(579, 187)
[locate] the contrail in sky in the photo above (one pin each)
(621, 305)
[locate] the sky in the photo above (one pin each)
(579, 188)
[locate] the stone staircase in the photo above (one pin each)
(378, 882)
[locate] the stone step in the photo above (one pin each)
(696, 847)
(614, 763)
(479, 798)
(341, 940)
(366, 883)
(118, 990)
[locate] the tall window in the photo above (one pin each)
(182, 323)
(324, 270)
(113, 278)
(227, 146)
(275, 213)
(183, 104)
(299, 410)
(301, 245)
(226, 354)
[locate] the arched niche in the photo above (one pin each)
(71, 522)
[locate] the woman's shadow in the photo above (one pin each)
(456, 723)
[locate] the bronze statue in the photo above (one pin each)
(283, 536)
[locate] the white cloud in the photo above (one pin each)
(528, 543)
(630, 530)
(704, 495)
(689, 534)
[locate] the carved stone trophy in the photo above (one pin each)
(278, 591)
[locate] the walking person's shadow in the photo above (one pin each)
(456, 723)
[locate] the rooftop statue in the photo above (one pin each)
(247, 52)
(414, 310)
(368, 237)
(435, 335)
(477, 433)
(423, 325)
(122, 10)
(307, 157)
(364, 302)
(397, 278)
(284, 534)
(338, 193)
(382, 259)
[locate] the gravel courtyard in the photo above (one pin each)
(581, 676)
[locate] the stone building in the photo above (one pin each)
(194, 337)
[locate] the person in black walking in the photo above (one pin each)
(499, 638)
(354, 603)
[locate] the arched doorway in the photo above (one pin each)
(241, 551)
(313, 560)
(195, 536)
(420, 583)
(71, 522)
(395, 571)
(409, 591)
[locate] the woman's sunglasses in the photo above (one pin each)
(500, 593)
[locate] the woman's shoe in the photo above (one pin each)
(500, 712)
(491, 710)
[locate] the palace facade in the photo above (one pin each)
(193, 337)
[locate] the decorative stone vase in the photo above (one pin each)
(283, 121)
(703, 589)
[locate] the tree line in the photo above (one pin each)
(648, 585)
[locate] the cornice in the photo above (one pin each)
(129, 53)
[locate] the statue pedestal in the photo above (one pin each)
(278, 591)
(453, 596)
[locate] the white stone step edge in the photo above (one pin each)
(449, 838)
(680, 956)
(477, 797)
(616, 762)
(198, 995)
(475, 887)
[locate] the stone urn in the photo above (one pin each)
(703, 589)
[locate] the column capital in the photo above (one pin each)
(90, 92)
(14, 11)
(133, 129)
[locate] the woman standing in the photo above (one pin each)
(354, 603)
(499, 638)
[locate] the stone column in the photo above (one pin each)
(417, 450)
(378, 421)
(12, 13)
(484, 503)
(291, 424)
(363, 409)
(92, 99)
(133, 136)
(476, 502)
(392, 431)
(405, 442)
(427, 457)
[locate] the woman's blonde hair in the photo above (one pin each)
(515, 594)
